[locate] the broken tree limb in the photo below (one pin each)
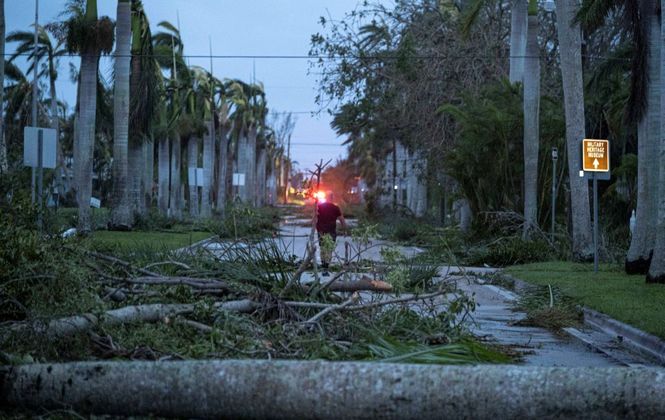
(360, 307)
(353, 299)
(329, 390)
(123, 263)
(363, 284)
(155, 312)
(197, 283)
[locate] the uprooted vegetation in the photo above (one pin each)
(61, 300)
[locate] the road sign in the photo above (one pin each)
(238, 179)
(31, 147)
(196, 177)
(595, 155)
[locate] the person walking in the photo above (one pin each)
(327, 214)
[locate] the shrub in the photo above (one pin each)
(510, 251)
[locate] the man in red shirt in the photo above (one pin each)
(326, 225)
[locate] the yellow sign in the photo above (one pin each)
(595, 155)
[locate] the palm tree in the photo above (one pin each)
(168, 49)
(121, 214)
(3, 146)
(570, 49)
(145, 88)
(223, 161)
(641, 247)
(90, 37)
(656, 273)
(531, 120)
(518, 35)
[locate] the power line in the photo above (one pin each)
(327, 57)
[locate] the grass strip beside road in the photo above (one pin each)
(164, 241)
(610, 291)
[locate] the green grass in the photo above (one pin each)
(151, 240)
(610, 291)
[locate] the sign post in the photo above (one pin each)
(39, 152)
(596, 160)
(555, 156)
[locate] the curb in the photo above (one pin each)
(638, 340)
(645, 344)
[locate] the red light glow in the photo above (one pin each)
(320, 196)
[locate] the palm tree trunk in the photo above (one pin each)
(121, 214)
(570, 49)
(136, 169)
(222, 165)
(3, 146)
(85, 138)
(243, 166)
(656, 272)
(518, 32)
(640, 251)
(208, 170)
(192, 164)
(175, 198)
(531, 121)
(163, 166)
(261, 178)
(148, 172)
(251, 177)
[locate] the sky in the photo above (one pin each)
(236, 27)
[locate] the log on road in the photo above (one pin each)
(306, 389)
(153, 312)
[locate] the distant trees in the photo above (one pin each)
(156, 101)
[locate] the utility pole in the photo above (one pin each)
(212, 129)
(35, 90)
(287, 168)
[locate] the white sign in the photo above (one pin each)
(31, 147)
(95, 202)
(238, 180)
(195, 176)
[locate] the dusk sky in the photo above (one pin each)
(251, 27)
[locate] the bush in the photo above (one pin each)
(510, 251)
(243, 222)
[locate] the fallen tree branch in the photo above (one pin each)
(123, 263)
(332, 390)
(360, 307)
(197, 283)
(67, 326)
(354, 298)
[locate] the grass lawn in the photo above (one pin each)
(625, 298)
(159, 241)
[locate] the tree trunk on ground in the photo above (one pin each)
(222, 164)
(137, 313)
(518, 32)
(640, 251)
(121, 214)
(85, 138)
(208, 171)
(3, 146)
(656, 272)
(332, 390)
(163, 166)
(531, 121)
(148, 174)
(192, 164)
(570, 48)
(175, 198)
